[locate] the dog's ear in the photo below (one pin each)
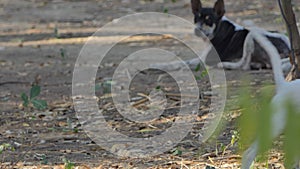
(196, 6)
(219, 8)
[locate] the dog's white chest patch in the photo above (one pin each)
(237, 27)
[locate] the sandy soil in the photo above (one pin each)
(40, 41)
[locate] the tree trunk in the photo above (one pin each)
(289, 17)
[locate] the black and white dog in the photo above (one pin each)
(231, 41)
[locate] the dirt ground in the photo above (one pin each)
(40, 41)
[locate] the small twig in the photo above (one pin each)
(107, 105)
(151, 126)
(174, 104)
(140, 102)
(174, 98)
(180, 95)
(13, 82)
(143, 95)
(228, 157)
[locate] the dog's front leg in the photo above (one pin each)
(242, 64)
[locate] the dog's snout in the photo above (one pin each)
(198, 26)
(198, 30)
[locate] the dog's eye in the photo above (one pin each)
(207, 18)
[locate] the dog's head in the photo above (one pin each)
(207, 19)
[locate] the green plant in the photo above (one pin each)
(292, 135)
(166, 10)
(44, 160)
(176, 151)
(56, 33)
(62, 53)
(198, 67)
(68, 164)
(158, 88)
(255, 121)
(209, 167)
(203, 73)
(75, 130)
(6, 146)
(221, 148)
(234, 137)
(31, 99)
(105, 86)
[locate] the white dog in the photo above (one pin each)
(284, 91)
